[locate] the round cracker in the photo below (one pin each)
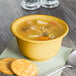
(5, 65)
(23, 67)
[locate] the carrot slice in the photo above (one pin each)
(43, 38)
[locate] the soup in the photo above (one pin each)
(40, 30)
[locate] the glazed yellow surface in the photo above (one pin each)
(39, 50)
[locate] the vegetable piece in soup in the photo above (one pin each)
(40, 30)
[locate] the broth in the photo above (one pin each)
(40, 30)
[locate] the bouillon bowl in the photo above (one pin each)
(49, 32)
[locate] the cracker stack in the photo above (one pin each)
(19, 67)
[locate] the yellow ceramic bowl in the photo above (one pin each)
(38, 50)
